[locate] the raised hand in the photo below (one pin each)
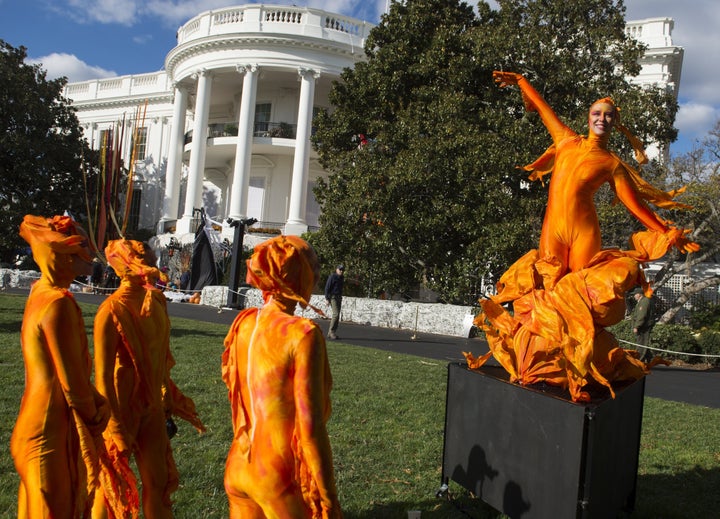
(504, 79)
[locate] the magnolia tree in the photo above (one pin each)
(422, 148)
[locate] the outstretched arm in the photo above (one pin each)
(628, 196)
(534, 102)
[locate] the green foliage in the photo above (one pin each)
(622, 331)
(422, 147)
(41, 148)
(709, 344)
(675, 337)
(706, 317)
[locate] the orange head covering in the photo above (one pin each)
(640, 155)
(53, 241)
(129, 260)
(285, 267)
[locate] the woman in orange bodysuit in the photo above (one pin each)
(132, 370)
(580, 165)
(569, 289)
(61, 415)
(278, 376)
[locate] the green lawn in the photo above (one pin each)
(386, 431)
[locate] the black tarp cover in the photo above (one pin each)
(203, 270)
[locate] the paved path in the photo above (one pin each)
(669, 383)
(698, 387)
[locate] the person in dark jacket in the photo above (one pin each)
(333, 296)
(642, 323)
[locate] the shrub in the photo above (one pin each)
(707, 316)
(622, 332)
(709, 343)
(675, 337)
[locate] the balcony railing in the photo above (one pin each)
(272, 19)
(280, 130)
(261, 129)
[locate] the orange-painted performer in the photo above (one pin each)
(61, 415)
(278, 376)
(568, 290)
(132, 370)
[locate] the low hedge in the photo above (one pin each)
(677, 338)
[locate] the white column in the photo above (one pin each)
(243, 151)
(193, 197)
(296, 212)
(173, 172)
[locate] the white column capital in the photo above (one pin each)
(178, 85)
(304, 72)
(250, 67)
(203, 72)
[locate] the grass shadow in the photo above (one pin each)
(691, 493)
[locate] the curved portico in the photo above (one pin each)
(263, 70)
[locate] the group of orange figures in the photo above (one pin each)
(73, 438)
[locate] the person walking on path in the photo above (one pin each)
(642, 323)
(132, 370)
(333, 296)
(277, 372)
(62, 416)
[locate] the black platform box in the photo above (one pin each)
(533, 453)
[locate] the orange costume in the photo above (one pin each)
(61, 415)
(566, 292)
(277, 372)
(132, 370)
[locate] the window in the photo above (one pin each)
(316, 111)
(312, 208)
(105, 140)
(140, 144)
(134, 214)
(262, 119)
(256, 197)
(106, 145)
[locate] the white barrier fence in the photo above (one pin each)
(434, 318)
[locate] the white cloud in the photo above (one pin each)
(695, 120)
(122, 12)
(142, 39)
(58, 65)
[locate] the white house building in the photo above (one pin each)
(226, 125)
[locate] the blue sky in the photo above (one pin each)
(89, 39)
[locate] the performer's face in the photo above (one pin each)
(601, 119)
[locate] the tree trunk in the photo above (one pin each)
(687, 293)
